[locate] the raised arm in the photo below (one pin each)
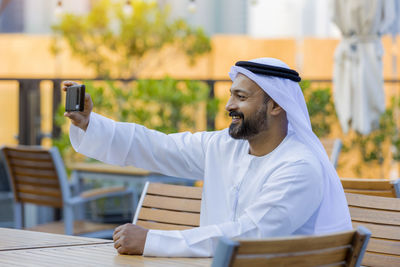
(179, 155)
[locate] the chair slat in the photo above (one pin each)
(380, 260)
(28, 154)
(43, 164)
(313, 259)
(40, 200)
(36, 181)
(373, 184)
(172, 217)
(174, 190)
(48, 173)
(381, 231)
(294, 244)
(374, 216)
(162, 226)
(372, 187)
(41, 191)
(378, 193)
(384, 246)
(170, 203)
(372, 202)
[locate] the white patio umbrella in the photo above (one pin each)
(358, 77)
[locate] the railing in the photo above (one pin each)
(29, 128)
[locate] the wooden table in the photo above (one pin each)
(106, 168)
(29, 248)
(13, 239)
(127, 176)
(100, 170)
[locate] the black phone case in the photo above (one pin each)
(75, 98)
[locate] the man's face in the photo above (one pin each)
(248, 108)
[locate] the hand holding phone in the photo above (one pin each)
(75, 98)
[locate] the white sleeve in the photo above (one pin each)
(179, 155)
(286, 202)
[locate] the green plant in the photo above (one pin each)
(118, 45)
(320, 108)
(372, 146)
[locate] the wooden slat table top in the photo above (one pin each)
(13, 239)
(90, 255)
(106, 168)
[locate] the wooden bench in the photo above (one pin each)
(169, 207)
(381, 215)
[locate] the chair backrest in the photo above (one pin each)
(382, 216)
(169, 207)
(332, 147)
(338, 249)
(373, 187)
(37, 175)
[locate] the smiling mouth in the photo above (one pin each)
(236, 119)
(236, 116)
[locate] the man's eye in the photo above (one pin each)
(241, 96)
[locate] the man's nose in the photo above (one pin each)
(230, 105)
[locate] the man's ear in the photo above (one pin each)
(276, 109)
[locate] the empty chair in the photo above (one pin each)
(381, 215)
(338, 249)
(332, 147)
(373, 187)
(169, 207)
(37, 176)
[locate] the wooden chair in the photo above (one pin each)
(332, 147)
(338, 249)
(373, 187)
(37, 176)
(168, 207)
(382, 216)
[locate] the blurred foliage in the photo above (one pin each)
(320, 108)
(373, 147)
(166, 105)
(118, 45)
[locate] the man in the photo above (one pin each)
(267, 175)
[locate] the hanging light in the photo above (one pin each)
(58, 10)
(128, 9)
(192, 6)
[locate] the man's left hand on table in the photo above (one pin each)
(130, 239)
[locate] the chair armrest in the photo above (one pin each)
(101, 191)
(94, 194)
(396, 185)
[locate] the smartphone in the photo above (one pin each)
(75, 99)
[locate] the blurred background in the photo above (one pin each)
(165, 64)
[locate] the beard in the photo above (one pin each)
(250, 127)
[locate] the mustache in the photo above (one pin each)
(236, 113)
